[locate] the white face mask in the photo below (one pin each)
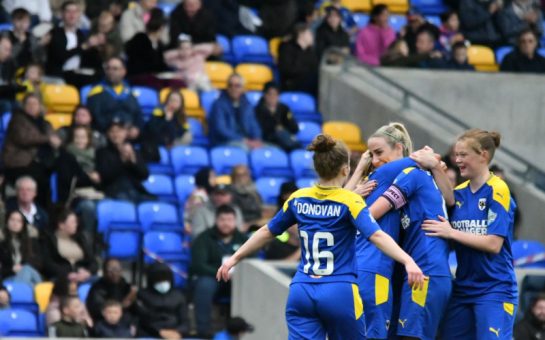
(162, 287)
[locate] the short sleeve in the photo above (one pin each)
(499, 219)
(366, 224)
(282, 220)
(404, 186)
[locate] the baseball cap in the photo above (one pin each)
(237, 325)
(221, 189)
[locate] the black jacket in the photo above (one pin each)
(118, 176)
(31, 257)
(518, 62)
(143, 58)
(269, 121)
(103, 290)
(476, 22)
(68, 169)
(201, 28)
(41, 218)
(529, 328)
(298, 68)
(56, 266)
(327, 37)
(103, 329)
(159, 131)
(158, 311)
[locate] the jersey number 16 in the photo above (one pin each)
(318, 255)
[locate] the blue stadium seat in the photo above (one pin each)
(165, 245)
(6, 117)
(160, 186)
(303, 106)
(189, 159)
(118, 213)
(166, 7)
(225, 44)
(22, 296)
(531, 286)
(207, 99)
(148, 99)
(269, 161)
(224, 158)
(159, 216)
(251, 49)
(361, 19)
(307, 132)
(123, 244)
(6, 27)
(429, 7)
(306, 182)
(269, 188)
(525, 248)
(21, 323)
(197, 133)
(501, 52)
(163, 166)
(83, 291)
(84, 93)
(302, 164)
(180, 269)
(254, 97)
(434, 19)
(53, 184)
(397, 21)
(541, 51)
(184, 184)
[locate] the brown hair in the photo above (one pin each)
(88, 132)
(329, 155)
(112, 303)
(480, 140)
(179, 114)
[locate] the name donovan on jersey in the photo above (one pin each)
(318, 209)
(475, 227)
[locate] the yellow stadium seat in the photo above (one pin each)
(357, 5)
(218, 72)
(58, 120)
(60, 98)
(394, 6)
(274, 47)
(192, 104)
(255, 75)
(42, 294)
(348, 132)
(482, 58)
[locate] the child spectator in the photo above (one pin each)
(458, 60)
(69, 326)
(113, 325)
(450, 30)
(64, 288)
(32, 80)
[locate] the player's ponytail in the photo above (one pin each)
(330, 155)
(480, 140)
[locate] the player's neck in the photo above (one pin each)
(334, 182)
(477, 182)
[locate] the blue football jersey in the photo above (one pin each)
(370, 258)
(415, 192)
(488, 211)
(328, 218)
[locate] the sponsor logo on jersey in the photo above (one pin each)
(387, 324)
(495, 331)
(482, 204)
(402, 322)
(459, 204)
(491, 216)
(475, 227)
(405, 221)
(318, 209)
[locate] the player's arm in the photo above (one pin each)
(427, 159)
(380, 207)
(259, 239)
(442, 228)
(389, 247)
(358, 172)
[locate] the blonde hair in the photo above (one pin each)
(480, 140)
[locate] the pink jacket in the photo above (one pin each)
(372, 43)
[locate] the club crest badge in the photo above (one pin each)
(482, 204)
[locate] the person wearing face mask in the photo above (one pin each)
(162, 309)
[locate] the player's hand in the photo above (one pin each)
(426, 158)
(366, 188)
(441, 228)
(223, 271)
(415, 276)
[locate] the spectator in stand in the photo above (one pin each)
(276, 120)
(236, 328)
(349, 24)
(232, 120)
(458, 59)
(271, 10)
(524, 58)
(245, 194)
(111, 287)
(425, 49)
(478, 21)
(167, 127)
(145, 52)
(61, 289)
(450, 30)
(189, 62)
(532, 327)
(69, 52)
(32, 81)
(35, 216)
(19, 252)
(39, 9)
(517, 16)
(226, 15)
(205, 181)
(66, 251)
(106, 25)
(4, 298)
(297, 62)
(162, 309)
(30, 147)
(113, 325)
(207, 253)
(416, 23)
(191, 18)
(134, 18)
(331, 34)
(93, 8)
(121, 168)
(204, 216)
(82, 117)
(397, 55)
(8, 87)
(374, 39)
(69, 326)
(26, 47)
(113, 98)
